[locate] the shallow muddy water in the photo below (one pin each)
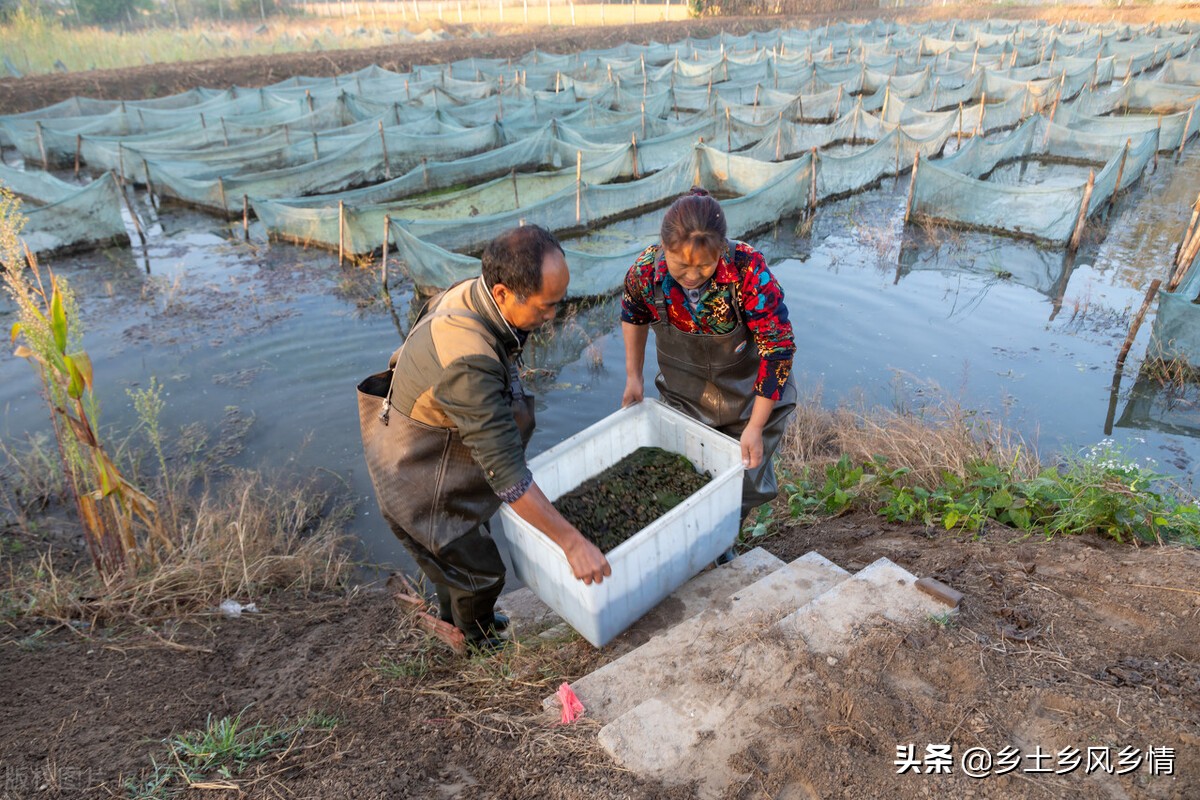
(281, 334)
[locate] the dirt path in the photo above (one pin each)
(1070, 643)
(156, 80)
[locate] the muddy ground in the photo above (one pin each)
(500, 41)
(1076, 642)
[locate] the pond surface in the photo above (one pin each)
(280, 335)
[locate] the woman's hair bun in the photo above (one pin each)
(699, 191)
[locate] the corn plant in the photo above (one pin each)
(47, 334)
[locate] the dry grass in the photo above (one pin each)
(937, 437)
(240, 540)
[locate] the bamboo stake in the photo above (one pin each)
(982, 111)
(516, 194)
(1077, 236)
(728, 131)
(246, 218)
(633, 141)
(779, 136)
(643, 120)
(224, 132)
(578, 186)
(837, 104)
(341, 233)
(309, 99)
(912, 185)
(1120, 174)
(224, 205)
(425, 171)
(387, 165)
(78, 147)
(316, 147)
(960, 122)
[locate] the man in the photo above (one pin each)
(444, 432)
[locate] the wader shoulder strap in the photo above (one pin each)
(422, 322)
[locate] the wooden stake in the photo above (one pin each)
(960, 123)
(633, 141)
(224, 205)
(812, 189)
(728, 131)
(387, 238)
(1191, 229)
(149, 183)
(387, 165)
(1137, 322)
(779, 136)
(316, 147)
(42, 145)
(1120, 173)
(1080, 221)
(137, 223)
(246, 218)
(578, 186)
(912, 185)
(78, 147)
(341, 233)
(1187, 126)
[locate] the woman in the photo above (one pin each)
(721, 328)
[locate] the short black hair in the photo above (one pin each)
(514, 258)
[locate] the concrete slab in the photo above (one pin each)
(678, 656)
(689, 731)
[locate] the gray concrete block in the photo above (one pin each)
(679, 655)
(689, 731)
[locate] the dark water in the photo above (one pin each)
(283, 334)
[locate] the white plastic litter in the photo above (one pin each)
(233, 609)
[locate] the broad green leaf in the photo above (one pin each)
(58, 319)
(83, 363)
(75, 387)
(950, 520)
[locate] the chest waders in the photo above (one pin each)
(710, 377)
(434, 496)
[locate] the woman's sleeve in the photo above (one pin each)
(767, 318)
(639, 281)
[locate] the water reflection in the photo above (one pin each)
(942, 249)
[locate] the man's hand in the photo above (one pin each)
(587, 562)
(752, 446)
(634, 391)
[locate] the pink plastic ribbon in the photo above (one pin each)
(571, 707)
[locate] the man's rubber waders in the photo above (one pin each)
(436, 498)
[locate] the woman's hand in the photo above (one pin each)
(635, 391)
(752, 446)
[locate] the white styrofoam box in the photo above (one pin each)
(653, 562)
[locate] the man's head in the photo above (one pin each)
(526, 272)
